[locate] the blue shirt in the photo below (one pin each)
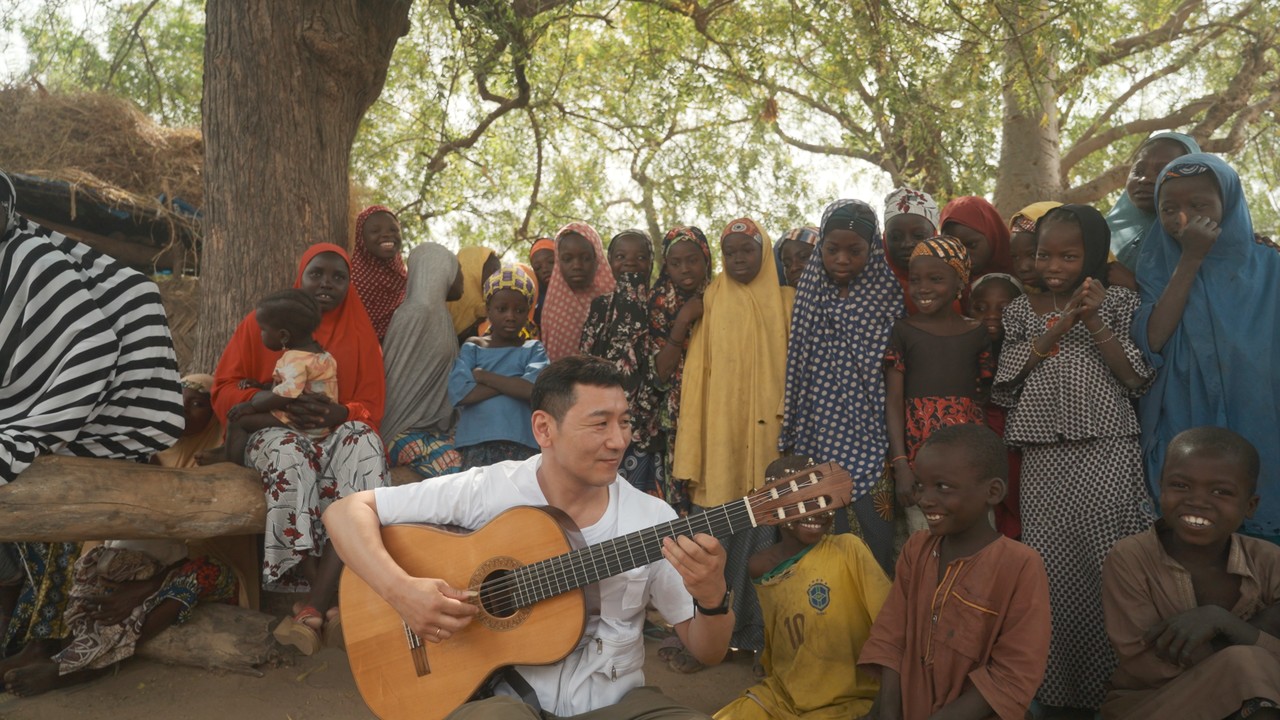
(501, 417)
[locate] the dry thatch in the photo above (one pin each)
(99, 140)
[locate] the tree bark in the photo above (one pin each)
(61, 498)
(1030, 142)
(285, 87)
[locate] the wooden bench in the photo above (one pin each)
(74, 499)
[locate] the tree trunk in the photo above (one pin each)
(285, 87)
(1030, 148)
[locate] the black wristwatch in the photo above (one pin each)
(722, 609)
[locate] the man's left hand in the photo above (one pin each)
(700, 561)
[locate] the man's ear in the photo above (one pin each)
(544, 428)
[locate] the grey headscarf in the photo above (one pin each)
(420, 348)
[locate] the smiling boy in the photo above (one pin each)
(1190, 604)
(819, 594)
(965, 631)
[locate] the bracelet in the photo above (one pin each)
(1039, 354)
(896, 459)
(1105, 340)
(1099, 330)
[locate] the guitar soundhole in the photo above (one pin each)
(497, 595)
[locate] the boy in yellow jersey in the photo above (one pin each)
(820, 594)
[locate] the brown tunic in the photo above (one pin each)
(1143, 586)
(985, 625)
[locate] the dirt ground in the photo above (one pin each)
(307, 688)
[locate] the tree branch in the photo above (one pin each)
(523, 232)
(1071, 159)
(1181, 116)
(1126, 47)
(118, 60)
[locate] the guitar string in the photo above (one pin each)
(512, 580)
(535, 578)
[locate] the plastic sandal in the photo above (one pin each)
(295, 632)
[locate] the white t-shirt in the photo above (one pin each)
(609, 662)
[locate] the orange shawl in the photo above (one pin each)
(344, 331)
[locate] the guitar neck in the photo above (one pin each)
(538, 581)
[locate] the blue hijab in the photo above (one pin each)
(1221, 366)
(1128, 224)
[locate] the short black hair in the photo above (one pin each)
(985, 449)
(293, 310)
(1217, 442)
(786, 465)
(555, 390)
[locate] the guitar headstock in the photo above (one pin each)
(814, 490)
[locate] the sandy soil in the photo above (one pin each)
(308, 688)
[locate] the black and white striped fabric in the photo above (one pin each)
(86, 360)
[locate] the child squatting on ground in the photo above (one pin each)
(965, 629)
(1192, 606)
(819, 593)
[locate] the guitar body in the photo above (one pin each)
(393, 682)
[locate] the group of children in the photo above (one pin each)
(860, 347)
(892, 355)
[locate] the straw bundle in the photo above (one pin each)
(99, 141)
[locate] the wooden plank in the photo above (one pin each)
(74, 499)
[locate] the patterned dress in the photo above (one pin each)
(835, 395)
(301, 477)
(665, 302)
(617, 330)
(1082, 478)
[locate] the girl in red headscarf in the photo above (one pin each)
(976, 223)
(377, 269)
(303, 475)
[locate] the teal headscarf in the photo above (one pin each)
(1128, 224)
(1219, 366)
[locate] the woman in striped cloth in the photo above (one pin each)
(86, 368)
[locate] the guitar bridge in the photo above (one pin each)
(417, 651)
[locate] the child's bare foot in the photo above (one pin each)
(212, 456)
(41, 677)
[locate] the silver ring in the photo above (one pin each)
(437, 633)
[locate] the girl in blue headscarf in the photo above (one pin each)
(1135, 212)
(1210, 323)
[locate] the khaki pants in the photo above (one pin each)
(643, 703)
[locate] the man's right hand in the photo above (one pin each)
(433, 609)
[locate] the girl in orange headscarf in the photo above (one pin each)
(303, 475)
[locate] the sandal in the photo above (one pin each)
(684, 662)
(296, 632)
(669, 648)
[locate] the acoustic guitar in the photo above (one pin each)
(534, 583)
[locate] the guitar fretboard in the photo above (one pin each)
(546, 578)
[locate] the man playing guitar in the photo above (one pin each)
(583, 426)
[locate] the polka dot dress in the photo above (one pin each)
(1082, 479)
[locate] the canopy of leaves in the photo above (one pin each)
(500, 121)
